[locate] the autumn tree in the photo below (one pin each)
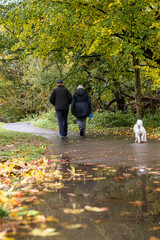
(90, 29)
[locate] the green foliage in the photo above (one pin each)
(109, 119)
(46, 120)
(19, 93)
(151, 120)
(90, 43)
(3, 212)
(105, 119)
(100, 119)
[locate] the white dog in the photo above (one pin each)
(140, 132)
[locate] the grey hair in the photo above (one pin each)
(80, 86)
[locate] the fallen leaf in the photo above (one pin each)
(99, 178)
(71, 194)
(52, 219)
(44, 232)
(155, 228)
(154, 238)
(155, 172)
(98, 221)
(73, 211)
(2, 234)
(39, 218)
(75, 226)
(96, 209)
(137, 203)
(119, 178)
(157, 190)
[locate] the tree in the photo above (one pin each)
(105, 28)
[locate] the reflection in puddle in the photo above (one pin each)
(101, 202)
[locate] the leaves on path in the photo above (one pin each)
(137, 203)
(96, 209)
(73, 211)
(75, 226)
(19, 181)
(44, 232)
(23, 184)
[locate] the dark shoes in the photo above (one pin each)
(63, 137)
(82, 132)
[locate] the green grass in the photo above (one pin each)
(20, 145)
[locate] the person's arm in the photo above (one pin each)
(73, 106)
(89, 104)
(52, 98)
(69, 97)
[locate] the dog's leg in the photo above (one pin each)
(145, 138)
(136, 137)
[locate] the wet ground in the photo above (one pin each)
(114, 193)
(110, 150)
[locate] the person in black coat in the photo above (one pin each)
(81, 108)
(61, 98)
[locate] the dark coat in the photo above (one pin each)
(81, 103)
(60, 98)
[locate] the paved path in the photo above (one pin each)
(102, 149)
(28, 128)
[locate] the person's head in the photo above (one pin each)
(59, 82)
(80, 87)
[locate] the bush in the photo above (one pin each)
(109, 119)
(153, 121)
(100, 119)
(104, 119)
(46, 120)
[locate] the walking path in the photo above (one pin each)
(102, 149)
(28, 128)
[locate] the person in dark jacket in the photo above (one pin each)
(81, 108)
(61, 98)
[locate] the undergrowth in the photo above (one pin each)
(100, 120)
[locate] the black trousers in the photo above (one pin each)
(62, 122)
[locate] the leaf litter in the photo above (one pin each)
(24, 183)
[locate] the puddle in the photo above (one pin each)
(101, 202)
(110, 189)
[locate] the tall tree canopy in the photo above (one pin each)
(108, 31)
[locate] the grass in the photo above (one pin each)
(23, 146)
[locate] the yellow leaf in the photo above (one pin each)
(2, 234)
(138, 203)
(154, 238)
(73, 211)
(52, 219)
(155, 228)
(74, 226)
(96, 209)
(44, 232)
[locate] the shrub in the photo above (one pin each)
(100, 119)
(109, 119)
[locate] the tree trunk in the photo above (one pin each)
(137, 87)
